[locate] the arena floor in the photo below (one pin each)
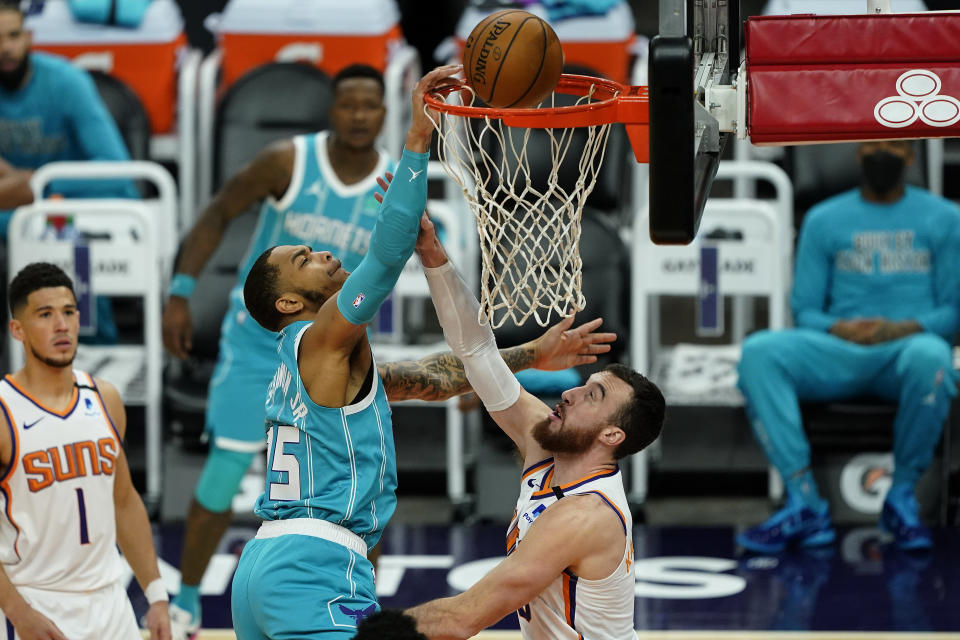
(695, 635)
(691, 582)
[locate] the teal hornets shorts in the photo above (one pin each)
(301, 587)
(246, 363)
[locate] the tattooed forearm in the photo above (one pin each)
(519, 358)
(434, 378)
(440, 376)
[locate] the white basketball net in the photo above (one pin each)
(529, 225)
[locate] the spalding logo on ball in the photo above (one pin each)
(512, 59)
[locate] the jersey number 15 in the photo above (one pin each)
(283, 464)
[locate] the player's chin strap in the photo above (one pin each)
(457, 309)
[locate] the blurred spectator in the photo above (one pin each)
(875, 305)
(50, 111)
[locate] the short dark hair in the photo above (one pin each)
(11, 5)
(388, 624)
(358, 71)
(34, 276)
(641, 418)
(260, 292)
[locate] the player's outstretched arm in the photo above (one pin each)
(562, 537)
(268, 174)
(441, 376)
(133, 526)
(515, 410)
(340, 321)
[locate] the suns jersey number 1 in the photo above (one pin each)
(573, 608)
(58, 529)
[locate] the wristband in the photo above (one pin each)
(156, 592)
(182, 285)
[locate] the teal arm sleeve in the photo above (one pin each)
(391, 243)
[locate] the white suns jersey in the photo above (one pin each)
(572, 607)
(57, 528)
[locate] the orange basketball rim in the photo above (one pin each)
(609, 102)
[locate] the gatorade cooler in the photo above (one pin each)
(328, 33)
(603, 43)
(144, 58)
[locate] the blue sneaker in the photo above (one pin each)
(900, 517)
(795, 523)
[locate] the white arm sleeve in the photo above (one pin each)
(457, 309)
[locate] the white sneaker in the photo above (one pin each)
(183, 624)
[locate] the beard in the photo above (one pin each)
(11, 80)
(563, 440)
(64, 360)
(314, 297)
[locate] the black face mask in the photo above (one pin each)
(883, 171)
(10, 81)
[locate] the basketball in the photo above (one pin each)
(512, 59)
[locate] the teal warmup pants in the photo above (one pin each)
(779, 369)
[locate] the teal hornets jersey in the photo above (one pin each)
(335, 464)
(861, 259)
(317, 210)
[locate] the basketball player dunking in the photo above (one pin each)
(67, 495)
(331, 476)
(568, 571)
(318, 190)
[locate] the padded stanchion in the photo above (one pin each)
(834, 78)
